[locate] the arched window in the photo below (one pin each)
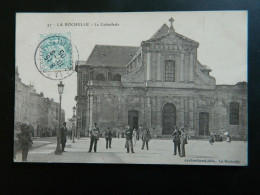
(100, 77)
(117, 77)
(234, 113)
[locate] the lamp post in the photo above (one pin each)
(73, 123)
(58, 149)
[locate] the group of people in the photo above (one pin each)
(179, 140)
(133, 136)
(130, 135)
(213, 137)
(23, 139)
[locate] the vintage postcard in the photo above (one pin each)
(132, 88)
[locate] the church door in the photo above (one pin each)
(203, 123)
(169, 118)
(133, 119)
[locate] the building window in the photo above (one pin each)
(100, 77)
(169, 71)
(117, 77)
(234, 113)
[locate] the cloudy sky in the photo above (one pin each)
(222, 37)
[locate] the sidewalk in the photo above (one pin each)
(197, 152)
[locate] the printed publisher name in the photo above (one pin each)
(82, 24)
(212, 161)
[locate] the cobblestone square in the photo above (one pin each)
(198, 152)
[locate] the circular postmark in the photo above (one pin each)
(55, 57)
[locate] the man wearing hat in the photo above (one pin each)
(176, 140)
(94, 138)
(17, 132)
(25, 140)
(183, 140)
(108, 137)
(129, 141)
(64, 132)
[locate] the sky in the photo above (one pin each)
(222, 38)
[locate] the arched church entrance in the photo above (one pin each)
(169, 118)
(203, 123)
(133, 119)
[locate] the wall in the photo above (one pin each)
(33, 109)
(111, 106)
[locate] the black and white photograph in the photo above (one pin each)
(165, 88)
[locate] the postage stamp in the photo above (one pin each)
(55, 56)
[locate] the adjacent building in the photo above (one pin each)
(158, 85)
(41, 113)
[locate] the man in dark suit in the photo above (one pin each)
(63, 132)
(176, 140)
(108, 136)
(94, 138)
(25, 140)
(129, 141)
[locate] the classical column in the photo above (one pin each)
(119, 114)
(181, 67)
(191, 67)
(181, 119)
(191, 121)
(196, 117)
(186, 111)
(148, 66)
(159, 115)
(158, 67)
(149, 111)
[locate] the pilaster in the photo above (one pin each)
(159, 74)
(148, 66)
(181, 73)
(191, 67)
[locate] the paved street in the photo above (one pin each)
(197, 152)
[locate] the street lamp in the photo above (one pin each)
(73, 123)
(58, 149)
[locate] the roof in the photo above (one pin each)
(164, 32)
(161, 32)
(80, 62)
(110, 55)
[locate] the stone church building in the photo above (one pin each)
(158, 85)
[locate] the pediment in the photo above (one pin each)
(174, 39)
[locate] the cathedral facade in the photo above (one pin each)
(157, 85)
